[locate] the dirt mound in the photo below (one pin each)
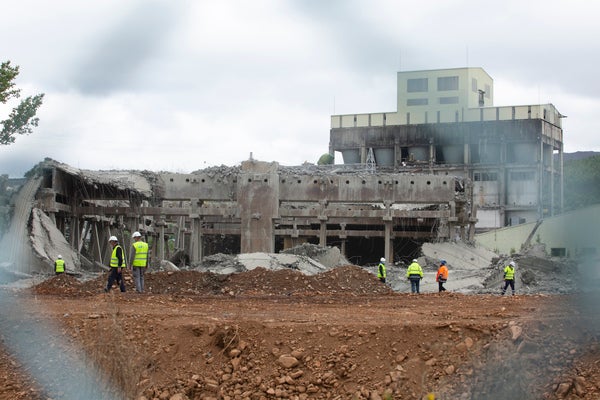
(63, 285)
(341, 334)
(350, 280)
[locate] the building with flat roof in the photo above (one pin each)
(446, 124)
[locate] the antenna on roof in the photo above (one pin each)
(370, 161)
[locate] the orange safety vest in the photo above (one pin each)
(442, 273)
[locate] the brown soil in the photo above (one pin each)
(283, 335)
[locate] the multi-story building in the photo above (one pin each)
(446, 124)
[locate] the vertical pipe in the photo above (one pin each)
(552, 183)
(541, 179)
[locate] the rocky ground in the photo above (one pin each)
(264, 334)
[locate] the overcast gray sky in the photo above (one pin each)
(170, 85)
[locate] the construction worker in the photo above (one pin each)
(414, 274)
(117, 265)
(442, 276)
(381, 273)
(139, 256)
(59, 265)
(509, 277)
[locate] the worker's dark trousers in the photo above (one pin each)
(117, 276)
(441, 285)
(511, 283)
(414, 284)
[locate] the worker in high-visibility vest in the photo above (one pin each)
(509, 277)
(117, 265)
(414, 273)
(59, 265)
(381, 273)
(442, 276)
(139, 260)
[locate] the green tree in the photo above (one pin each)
(22, 118)
(325, 159)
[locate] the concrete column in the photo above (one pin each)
(431, 152)
(343, 238)
(561, 172)
(388, 248)
(323, 234)
(397, 154)
(196, 239)
(87, 226)
(75, 231)
(258, 199)
(95, 247)
(161, 243)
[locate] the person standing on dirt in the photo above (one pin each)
(117, 265)
(139, 256)
(59, 265)
(509, 277)
(381, 273)
(414, 273)
(442, 276)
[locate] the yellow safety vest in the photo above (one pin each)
(114, 261)
(381, 271)
(414, 269)
(509, 273)
(141, 254)
(59, 265)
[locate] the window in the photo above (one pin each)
(488, 91)
(417, 102)
(485, 176)
(417, 85)
(447, 83)
(449, 100)
(474, 85)
(522, 176)
(558, 252)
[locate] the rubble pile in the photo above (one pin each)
(348, 280)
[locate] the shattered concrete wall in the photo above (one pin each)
(72, 212)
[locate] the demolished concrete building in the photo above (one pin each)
(254, 207)
(446, 164)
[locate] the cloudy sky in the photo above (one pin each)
(180, 85)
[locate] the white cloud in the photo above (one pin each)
(184, 85)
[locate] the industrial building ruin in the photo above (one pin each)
(256, 207)
(446, 164)
(446, 124)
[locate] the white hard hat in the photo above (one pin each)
(113, 239)
(136, 234)
(414, 260)
(512, 264)
(59, 256)
(382, 259)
